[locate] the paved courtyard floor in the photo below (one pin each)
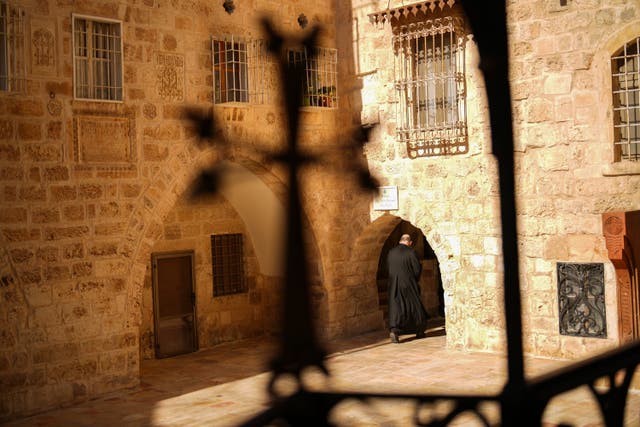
(225, 385)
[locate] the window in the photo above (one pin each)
(241, 70)
(228, 264)
(319, 82)
(230, 71)
(625, 67)
(97, 59)
(430, 84)
(12, 49)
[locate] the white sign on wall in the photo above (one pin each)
(387, 199)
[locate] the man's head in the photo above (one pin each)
(405, 239)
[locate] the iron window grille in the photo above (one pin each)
(97, 59)
(319, 83)
(241, 70)
(625, 66)
(12, 49)
(429, 71)
(227, 264)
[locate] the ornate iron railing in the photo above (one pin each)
(522, 402)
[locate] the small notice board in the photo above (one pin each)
(387, 199)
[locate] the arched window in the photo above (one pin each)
(625, 74)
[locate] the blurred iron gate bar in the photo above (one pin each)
(522, 402)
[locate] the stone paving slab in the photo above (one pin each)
(225, 385)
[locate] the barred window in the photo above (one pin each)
(625, 67)
(97, 59)
(228, 264)
(12, 49)
(430, 84)
(240, 70)
(319, 82)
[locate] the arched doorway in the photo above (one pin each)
(253, 237)
(432, 293)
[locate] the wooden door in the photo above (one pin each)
(174, 303)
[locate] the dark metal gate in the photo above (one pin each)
(522, 401)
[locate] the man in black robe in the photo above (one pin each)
(406, 312)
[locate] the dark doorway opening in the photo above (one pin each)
(432, 293)
(174, 303)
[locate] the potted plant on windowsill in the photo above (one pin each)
(326, 96)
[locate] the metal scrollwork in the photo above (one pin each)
(581, 300)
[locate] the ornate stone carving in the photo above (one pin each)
(54, 107)
(622, 236)
(581, 299)
(43, 47)
(104, 139)
(170, 76)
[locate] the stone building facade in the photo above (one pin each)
(98, 163)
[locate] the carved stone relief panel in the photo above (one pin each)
(170, 76)
(581, 299)
(43, 50)
(104, 139)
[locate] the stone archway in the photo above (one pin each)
(366, 254)
(430, 282)
(145, 226)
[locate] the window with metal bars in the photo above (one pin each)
(97, 58)
(320, 79)
(12, 49)
(227, 264)
(625, 69)
(431, 87)
(241, 70)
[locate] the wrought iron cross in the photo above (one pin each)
(299, 348)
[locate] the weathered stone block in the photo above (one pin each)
(56, 173)
(29, 131)
(59, 233)
(558, 84)
(21, 255)
(11, 173)
(55, 353)
(103, 249)
(45, 215)
(13, 215)
(26, 107)
(110, 229)
(33, 193)
(21, 234)
(73, 213)
(57, 272)
(54, 130)
(46, 152)
(82, 269)
(73, 250)
(74, 313)
(47, 253)
(7, 130)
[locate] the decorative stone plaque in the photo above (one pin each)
(43, 47)
(170, 76)
(581, 300)
(103, 139)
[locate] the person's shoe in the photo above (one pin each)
(394, 338)
(420, 335)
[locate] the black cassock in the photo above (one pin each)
(406, 312)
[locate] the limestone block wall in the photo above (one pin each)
(566, 176)
(561, 80)
(87, 188)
